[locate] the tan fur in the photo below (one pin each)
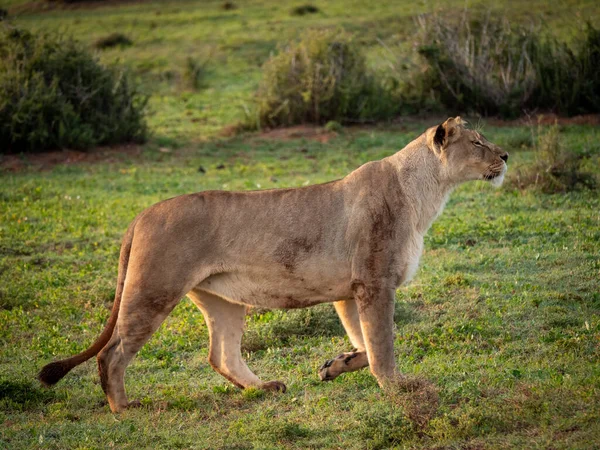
(352, 241)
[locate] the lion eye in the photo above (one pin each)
(478, 144)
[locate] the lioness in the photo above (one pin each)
(352, 241)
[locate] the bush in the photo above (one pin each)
(194, 72)
(555, 169)
(568, 80)
(323, 77)
(490, 67)
(113, 40)
(54, 94)
(229, 6)
(304, 10)
(479, 64)
(75, 1)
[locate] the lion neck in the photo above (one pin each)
(424, 181)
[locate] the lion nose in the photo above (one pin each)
(504, 157)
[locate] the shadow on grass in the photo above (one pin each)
(23, 395)
(277, 328)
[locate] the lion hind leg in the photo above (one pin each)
(139, 317)
(225, 322)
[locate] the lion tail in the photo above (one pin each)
(52, 373)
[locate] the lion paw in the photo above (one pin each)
(324, 374)
(346, 362)
(274, 386)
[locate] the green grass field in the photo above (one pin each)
(503, 315)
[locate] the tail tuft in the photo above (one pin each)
(52, 373)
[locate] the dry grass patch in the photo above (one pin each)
(418, 397)
(556, 168)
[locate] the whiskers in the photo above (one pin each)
(495, 174)
(493, 171)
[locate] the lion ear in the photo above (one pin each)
(449, 129)
(439, 137)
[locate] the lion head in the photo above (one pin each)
(466, 154)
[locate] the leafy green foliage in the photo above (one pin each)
(54, 94)
(323, 77)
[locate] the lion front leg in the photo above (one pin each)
(344, 362)
(375, 304)
(349, 361)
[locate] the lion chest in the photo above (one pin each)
(407, 258)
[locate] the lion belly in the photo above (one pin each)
(269, 288)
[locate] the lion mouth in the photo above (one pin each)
(491, 175)
(495, 175)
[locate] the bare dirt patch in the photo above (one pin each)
(309, 132)
(37, 6)
(48, 160)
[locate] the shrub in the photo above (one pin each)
(228, 6)
(479, 64)
(334, 126)
(304, 10)
(194, 72)
(488, 66)
(113, 40)
(54, 94)
(323, 77)
(555, 169)
(74, 1)
(568, 80)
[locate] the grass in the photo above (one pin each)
(503, 316)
